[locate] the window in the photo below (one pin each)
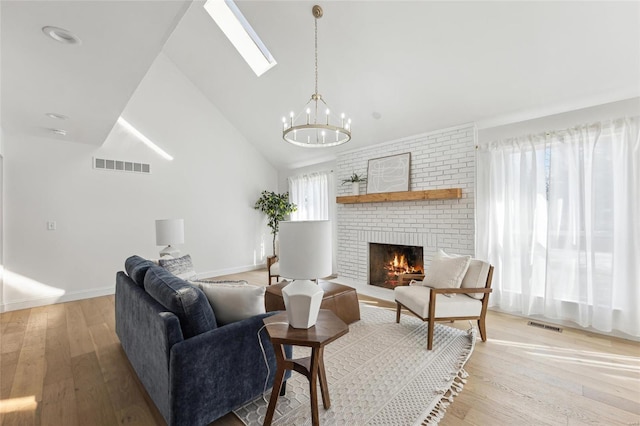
(556, 213)
(310, 193)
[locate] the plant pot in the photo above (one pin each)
(355, 188)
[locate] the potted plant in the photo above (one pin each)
(276, 207)
(355, 180)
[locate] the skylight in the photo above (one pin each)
(238, 30)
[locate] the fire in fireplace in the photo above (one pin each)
(391, 265)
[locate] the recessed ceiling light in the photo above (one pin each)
(56, 116)
(376, 115)
(61, 35)
(60, 132)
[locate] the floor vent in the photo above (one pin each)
(545, 326)
(121, 166)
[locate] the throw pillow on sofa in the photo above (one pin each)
(181, 267)
(233, 302)
(136, 268)
(213, 281)
(187, 302)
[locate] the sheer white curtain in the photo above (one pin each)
(310, 193)
(557, 214)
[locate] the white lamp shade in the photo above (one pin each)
(169, 231)
(305, 249)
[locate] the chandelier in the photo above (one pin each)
(315, 126)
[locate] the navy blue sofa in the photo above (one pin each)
(193, 370)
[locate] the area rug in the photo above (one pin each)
(380, 373)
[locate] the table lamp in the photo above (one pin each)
(305, 254)
(168, 232)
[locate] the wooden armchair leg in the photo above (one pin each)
(430, 335)
(398, 309)
(483, 329)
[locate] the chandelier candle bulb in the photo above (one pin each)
(308, 115)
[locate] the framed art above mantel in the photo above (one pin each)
(389, 174)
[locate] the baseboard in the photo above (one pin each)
(229, 271)
(67, 297)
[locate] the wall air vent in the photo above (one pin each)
(545, 326)
(121, 166)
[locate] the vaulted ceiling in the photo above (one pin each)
(397, 68)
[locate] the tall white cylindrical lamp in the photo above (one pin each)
(169, 232)
(305, 254)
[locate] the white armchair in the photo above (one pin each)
(463, 296)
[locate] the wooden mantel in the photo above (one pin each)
(429, 194)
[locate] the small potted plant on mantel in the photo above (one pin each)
(355, 180)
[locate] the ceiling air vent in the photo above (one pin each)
(121, 166)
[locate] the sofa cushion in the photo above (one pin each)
(446, 271)
(416, 299)
(186, 301)
(181, 267)
(136, 268)
(233, 302)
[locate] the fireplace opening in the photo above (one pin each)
(391, 265)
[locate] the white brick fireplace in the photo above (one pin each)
(439, 160)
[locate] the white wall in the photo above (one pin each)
(103, 217)
(1, 217)
(1, 200)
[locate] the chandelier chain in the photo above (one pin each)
(316, 52)
(316, 66)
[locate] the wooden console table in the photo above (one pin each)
(327, 329)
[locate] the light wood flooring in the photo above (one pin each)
(63, 365)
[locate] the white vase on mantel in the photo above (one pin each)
(355, 188)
